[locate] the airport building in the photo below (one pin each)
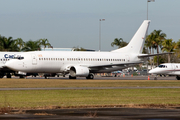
(62, 49)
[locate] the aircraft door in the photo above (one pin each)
(173, 67)
(127, 58)
(34, 59)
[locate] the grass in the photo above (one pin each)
(69, 98)
(42, 83)
(104, 97)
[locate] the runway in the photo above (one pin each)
(97, 114)
(110, 78)
(85, 88)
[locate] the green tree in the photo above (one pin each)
(32, 46)
(45, 43)
(7, 44)
(175, 57)
(149, 42)
(20, 43)
(168, 46)
(119, 42)
(159, 37)
(161, 59)
(2, 38)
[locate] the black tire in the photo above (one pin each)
(70, 77)
(177, 77)
(8, 76)
(90, 76)
(21, 76)
(1, 76)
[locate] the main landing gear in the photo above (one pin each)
(155, 78)
(178, 77)
(70, 77)
(90, 76)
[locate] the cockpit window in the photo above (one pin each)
(162, 66)
(18, 57)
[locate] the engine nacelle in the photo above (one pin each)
(78, 71)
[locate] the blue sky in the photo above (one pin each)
(75, 23)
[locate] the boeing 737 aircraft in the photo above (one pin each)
(172, 69)
(80, 63)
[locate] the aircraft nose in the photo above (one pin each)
(151, 71)
(10, 64)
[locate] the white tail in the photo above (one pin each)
(137, 42)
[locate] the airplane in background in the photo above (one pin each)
(84, 64)
(4, 71)
(172, 69)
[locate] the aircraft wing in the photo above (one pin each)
(149, 55)
(111, 65)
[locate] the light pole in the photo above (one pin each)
(147, 6)
(100, 33)
(147, 30)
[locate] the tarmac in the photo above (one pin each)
(96, 114)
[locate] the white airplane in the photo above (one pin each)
(172, 69)
(80, 63)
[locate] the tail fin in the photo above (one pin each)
(137, 42)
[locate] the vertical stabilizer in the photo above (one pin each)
(137, 42)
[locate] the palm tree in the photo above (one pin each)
(119, 42)
(150, 46)
(157, 41)
(20, 43)
(32, 46)
(45, 42)
(168, 46)
(7, 44)
(177, 49)
(2, 38)
(149, 42)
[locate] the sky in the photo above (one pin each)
(75, 23)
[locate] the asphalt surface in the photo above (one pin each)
(83, 88)
(108, 78)
(97, 114)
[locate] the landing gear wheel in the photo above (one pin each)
(177, 77)
(46, 77)
(1, 76)
(21, 76)
(8, 75)
(155, 78)
(90, 76)
(70, 77)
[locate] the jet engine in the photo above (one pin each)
(79, 71)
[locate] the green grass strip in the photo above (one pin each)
(65, 98)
